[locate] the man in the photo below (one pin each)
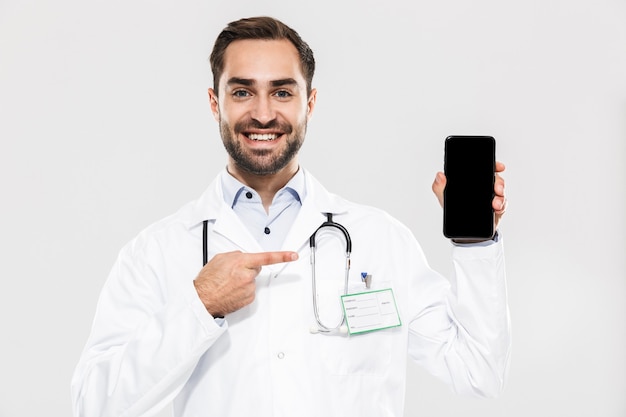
(240, 336)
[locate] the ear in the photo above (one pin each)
(214, 101)
(311, 103)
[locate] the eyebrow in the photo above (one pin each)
(274, 83)
(241, 81)
(283, 82)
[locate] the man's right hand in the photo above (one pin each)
(228, 281)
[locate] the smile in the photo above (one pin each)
(263, 137)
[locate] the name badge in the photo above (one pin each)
(370, 311)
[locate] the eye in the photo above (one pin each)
(282, 94)
(241, 94)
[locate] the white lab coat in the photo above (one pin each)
(152, 340)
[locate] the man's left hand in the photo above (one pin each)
(499, 200)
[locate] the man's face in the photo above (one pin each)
(262, 106)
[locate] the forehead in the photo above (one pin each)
(262, 61)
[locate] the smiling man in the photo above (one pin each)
(264, 112)
(223, 309)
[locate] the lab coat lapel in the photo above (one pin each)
(308, 220)
(211, 206)
(230, 226)
(312, 214)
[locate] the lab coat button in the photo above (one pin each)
(280, 355)
(249, 195)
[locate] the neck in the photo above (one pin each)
(266, 185)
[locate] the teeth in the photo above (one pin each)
(268, 136)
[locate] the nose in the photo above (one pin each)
(263, 110)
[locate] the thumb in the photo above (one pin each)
(438, 185)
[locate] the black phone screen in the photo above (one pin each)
(470, 173)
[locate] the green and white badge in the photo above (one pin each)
(370, 311)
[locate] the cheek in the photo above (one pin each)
(232, 113)
(300, 114)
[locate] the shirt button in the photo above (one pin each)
(280, 355)
(249, 195)
(267, 230)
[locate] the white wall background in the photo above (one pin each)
(105, 128)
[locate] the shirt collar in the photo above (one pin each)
(232, 188)
(209, 205)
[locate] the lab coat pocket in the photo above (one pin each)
(365, 354)
(342, 354)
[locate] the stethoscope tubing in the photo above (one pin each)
(329, 223)
(322, 328)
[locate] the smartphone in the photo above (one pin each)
(469, 165)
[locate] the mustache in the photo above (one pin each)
(251, 124)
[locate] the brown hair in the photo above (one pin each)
(266, 28)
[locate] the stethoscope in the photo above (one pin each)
(340, 328)
(321, 328)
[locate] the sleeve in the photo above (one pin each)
(461, 328)
(144, 343)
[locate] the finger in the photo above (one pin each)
(438, 186)
(257, 260)
(498, 187)
(500, 167)
(499, 205)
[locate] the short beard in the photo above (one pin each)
(261, 161)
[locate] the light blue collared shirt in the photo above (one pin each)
(269, 229)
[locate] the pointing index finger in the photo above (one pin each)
(256, 260)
